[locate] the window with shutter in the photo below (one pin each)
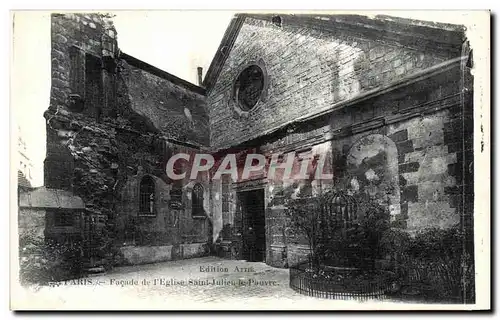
(77, 71)
(76, 79)
(93, 85)
(86, 82)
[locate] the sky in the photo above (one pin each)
(174, 41)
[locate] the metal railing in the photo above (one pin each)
(303, 282)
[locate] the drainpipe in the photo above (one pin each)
(200, 76)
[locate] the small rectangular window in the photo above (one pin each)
(63, 219)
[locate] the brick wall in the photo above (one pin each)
(308, 72)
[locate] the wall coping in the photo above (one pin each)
(45, 198)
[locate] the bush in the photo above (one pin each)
(433, 262)
(305, 219)
(394, 244)
(355, 244)
(358, 245)
(43, 261)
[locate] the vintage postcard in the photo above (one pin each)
(217, 160)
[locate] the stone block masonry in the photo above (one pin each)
(308, 72)
(387, 114)
(112, 121)
(422, 171)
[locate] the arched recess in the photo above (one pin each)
(372, 167)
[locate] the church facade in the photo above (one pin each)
(385, 104)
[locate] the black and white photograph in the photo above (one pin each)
(250, 160)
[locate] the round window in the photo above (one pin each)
(249, 87)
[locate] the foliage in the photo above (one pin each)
(304, 214)
(432, 242)
(436, 258)
(433, 262)
(374, 223)
(394, 244)
(359, 244)
(351, 280)
(43, 261)
(355, 244)
(105, 248)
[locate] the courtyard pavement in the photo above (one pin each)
(207, 283)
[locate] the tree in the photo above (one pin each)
(304, 215)
(318, 219)
(334, 231)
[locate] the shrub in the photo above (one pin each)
(353, 245)
(43, 261)
(433, 261)
(304, 215)
(394, 244)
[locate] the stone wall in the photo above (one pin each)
(308, 71)
(142, 255)
(111, 122)
(403, 148)
(177, 112)
(92, 33)
(114, 120)
(31, 221)
(173, 223)
(394, 129)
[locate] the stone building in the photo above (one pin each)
(25, 166)
(387, 101)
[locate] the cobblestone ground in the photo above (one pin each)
(229, 284)
(225, 280)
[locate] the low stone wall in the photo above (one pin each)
(297, 254)
(193, 250)
(277, 256)
(31, 221)
(133, 255)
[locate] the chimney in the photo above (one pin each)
(200, 76)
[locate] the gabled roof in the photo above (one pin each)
(445, 39)
(222, 53)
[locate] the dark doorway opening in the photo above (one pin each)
(254, 225)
